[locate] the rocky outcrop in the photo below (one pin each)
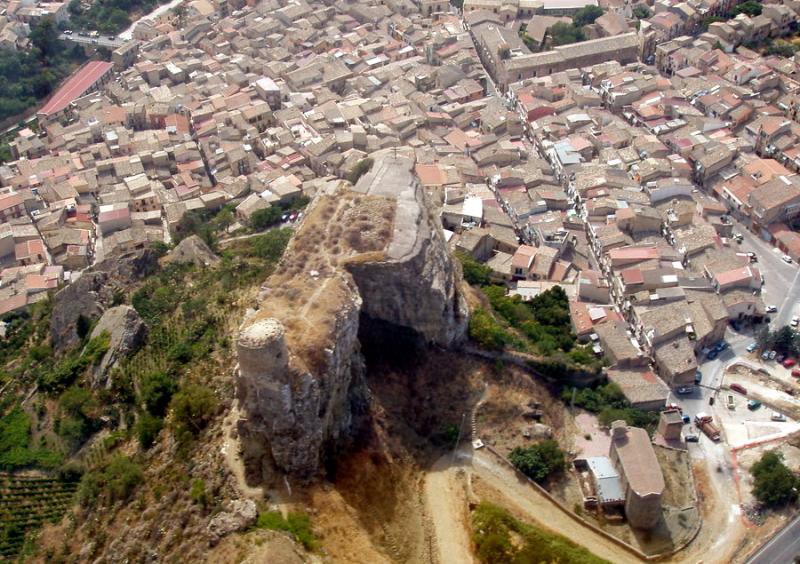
(370, 253)
(126, 332)
(193, 250)
(239, 515)
(94, 291)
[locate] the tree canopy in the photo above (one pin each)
(773, 483)
(540, 461)
(586, 15)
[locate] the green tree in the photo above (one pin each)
(156, 390)
(192, 408)
(475, 273)
(261, 219)
(586, 15)
(540, 461)
(147, 429)
(563, 34)
(270, 246)
(773, 483)
(44, 36)
(641, 12)
(751, 8)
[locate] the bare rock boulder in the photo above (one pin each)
(126, 330)
(240, 514)
(193, 250)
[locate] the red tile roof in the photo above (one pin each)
(76, 86)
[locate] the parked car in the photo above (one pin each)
(683, 390)
(739, 388)
(751, 347)
(686, 419)
(721, 346)
(777, 416)
(789, 362)
(712, 354)
(772, 309)
(795, 321)
(796, 372)
(752, 404)
(787, 259)
(765, 355)
(772, 355)
(730, 403)
(674, 406)
(779, 358)
(692, 438)
(698, 376)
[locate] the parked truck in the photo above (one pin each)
(706, 424)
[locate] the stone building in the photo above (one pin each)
(642, 480)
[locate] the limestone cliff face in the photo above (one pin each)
(371, 252)
(291, 411)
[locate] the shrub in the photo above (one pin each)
(484, 330)
(540, 461)
(199, 494)
(192, 408)
(160, 248)
(270, 246)
(147, 429)
(475, 273)
(115, 482)
(773, 483)
(297, 524)
(500, 538)
(156, 390)
(361, 168)
(261, 219)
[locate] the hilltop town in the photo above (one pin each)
(530, 263)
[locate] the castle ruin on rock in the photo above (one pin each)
(373, 254)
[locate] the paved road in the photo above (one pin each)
(782, 287)
(782, 548)
(102, 41)
(128, 33)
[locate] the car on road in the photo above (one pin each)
(738, 237)
(787, 259)
(739, 388)
(751, 347)
(795, 321)
(730, 403)
(692, 438)
(683, 390)
(789, 362)
(686, 419)
(752, 404)
(772, 309)
(777, 416)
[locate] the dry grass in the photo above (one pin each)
(310, 288)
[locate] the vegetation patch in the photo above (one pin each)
(539, 462)
(295, 523)
(610, 404)
(774, 484)
(500, 538)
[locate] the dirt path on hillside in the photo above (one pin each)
(537, 508)
(230, 450)
(446, 504)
